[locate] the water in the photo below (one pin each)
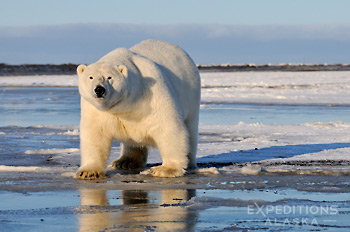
(95, 206)
(28, 106)
(173, 210)
(272, 114)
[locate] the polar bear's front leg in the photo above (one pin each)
(95, 150)
(173, 145)
(131, 158)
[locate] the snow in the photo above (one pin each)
(249, 169)
(39, 81)
(37, 169)
(295, 88)
(220, 143)
(290, 88)
(253, 142)
(4, 168)
(49, 151)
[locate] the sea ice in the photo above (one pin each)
(264, 165)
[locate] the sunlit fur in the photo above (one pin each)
(152, 99)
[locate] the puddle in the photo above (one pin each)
(38, 200)
(174, 210)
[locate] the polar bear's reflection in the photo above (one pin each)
(139, 210)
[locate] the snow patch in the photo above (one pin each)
(51, 151)
(251, 170)
(290, 88)
(208, 171)
(71, 132)
(4, 168)
(40, 80)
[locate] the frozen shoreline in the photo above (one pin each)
(281, 88)
(235, 143)
(245, 167)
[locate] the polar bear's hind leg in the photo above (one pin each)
(131, 158)
(192, 127)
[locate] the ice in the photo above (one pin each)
(253, 142)
(50, 151)
(4, 168)
(296, 88)
(208, 171)
(251, 169)
(237, 142)
(290, 88)
(267, 141)
(174, 210)
(40, 81)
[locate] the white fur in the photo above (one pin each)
(152, 99)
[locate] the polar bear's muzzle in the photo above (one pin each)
(100, 91)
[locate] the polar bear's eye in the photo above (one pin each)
(91, 78)
(109, 78)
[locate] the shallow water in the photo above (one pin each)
(28, 106)
(272, 114)
(173, 210)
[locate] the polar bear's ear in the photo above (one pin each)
(123, 70)
(81, 69)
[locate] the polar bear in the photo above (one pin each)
(148, 95)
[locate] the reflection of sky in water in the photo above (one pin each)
(23, 106)
(271, 114)
(175, 209)
(277, 194)
(26, 106)
(98, 209)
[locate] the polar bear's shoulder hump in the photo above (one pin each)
(147, 46)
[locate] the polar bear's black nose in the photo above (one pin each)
(100, 91)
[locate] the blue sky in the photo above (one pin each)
(251, 12)
(220, 31)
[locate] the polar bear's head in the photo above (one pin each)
(103, 85)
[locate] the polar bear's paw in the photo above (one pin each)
(163, 171)
(89, 173)
(127, 163)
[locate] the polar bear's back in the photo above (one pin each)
(169, 56)
(178, 68)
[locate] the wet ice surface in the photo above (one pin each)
(32, 106)
(229, 113)
(273, 155)
(99, 209)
